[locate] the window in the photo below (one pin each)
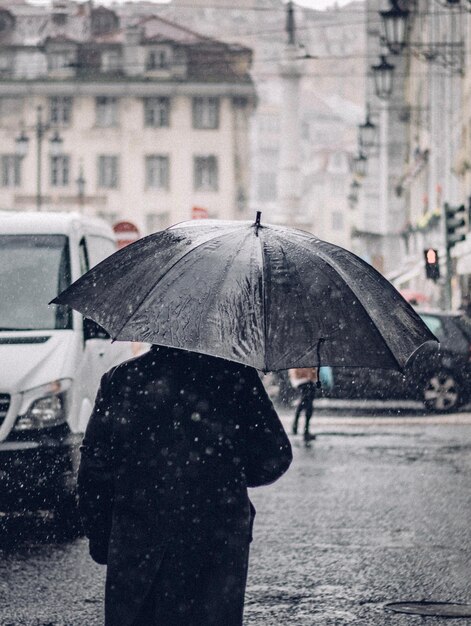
(435, 324)
(7, 21)
(60, 109)
(99, 248)
(60, 60)
(110, 61)
(60, 170)
(11, 170)
(106, 111)
(103, 21)
(60, 19)
(33, 270)
(157, 112)
(205, 173)
(205, 112)
(157, 171)
(108, 172)
(157, 60)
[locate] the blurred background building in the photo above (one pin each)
(164, 113)
(351, 122)
(123, 116)
(327, 54)
(418, 163)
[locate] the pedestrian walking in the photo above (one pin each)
(174, 441)
(305, 379)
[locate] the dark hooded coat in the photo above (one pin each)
(174, 441)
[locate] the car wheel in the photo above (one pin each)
(442, 392)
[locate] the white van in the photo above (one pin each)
(51, 359)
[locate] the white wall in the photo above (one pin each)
(132, 141)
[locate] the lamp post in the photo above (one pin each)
(55, 143)
(382, 75)
(81, 187)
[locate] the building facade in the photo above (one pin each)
(330, 52)
(129, 118)
(435, 171)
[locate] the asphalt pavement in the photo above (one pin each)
(377, 509)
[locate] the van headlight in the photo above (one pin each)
(44, 406)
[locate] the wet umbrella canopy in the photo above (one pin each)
(267, 296)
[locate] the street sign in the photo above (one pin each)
(126, 233)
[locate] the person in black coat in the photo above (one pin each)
(174, 441)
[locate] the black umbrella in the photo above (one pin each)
(267, 296)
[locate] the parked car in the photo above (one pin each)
(52, 359)
(440, 379)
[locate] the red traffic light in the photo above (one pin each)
(432, 265)
(431, 255)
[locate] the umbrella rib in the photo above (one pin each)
(264, 299)
(341, 273)
(202, 243)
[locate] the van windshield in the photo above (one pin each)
(33, 270)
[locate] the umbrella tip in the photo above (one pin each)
(257, 222)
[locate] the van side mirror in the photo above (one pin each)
(92, 330)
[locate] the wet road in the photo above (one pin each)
(375, 510)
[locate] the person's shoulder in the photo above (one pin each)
(135, 365)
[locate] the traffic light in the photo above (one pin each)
(432, 265)
(454, 223)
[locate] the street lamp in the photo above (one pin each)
(382, 75)
(81, 187)
(360, 164)
(22, 143)
(55, 144)
(352, 199)
(465, 4)
(395, 22)
(367, 132)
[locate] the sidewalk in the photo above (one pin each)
(371, 413)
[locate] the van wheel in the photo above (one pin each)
(442, 392)
(67, 523)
